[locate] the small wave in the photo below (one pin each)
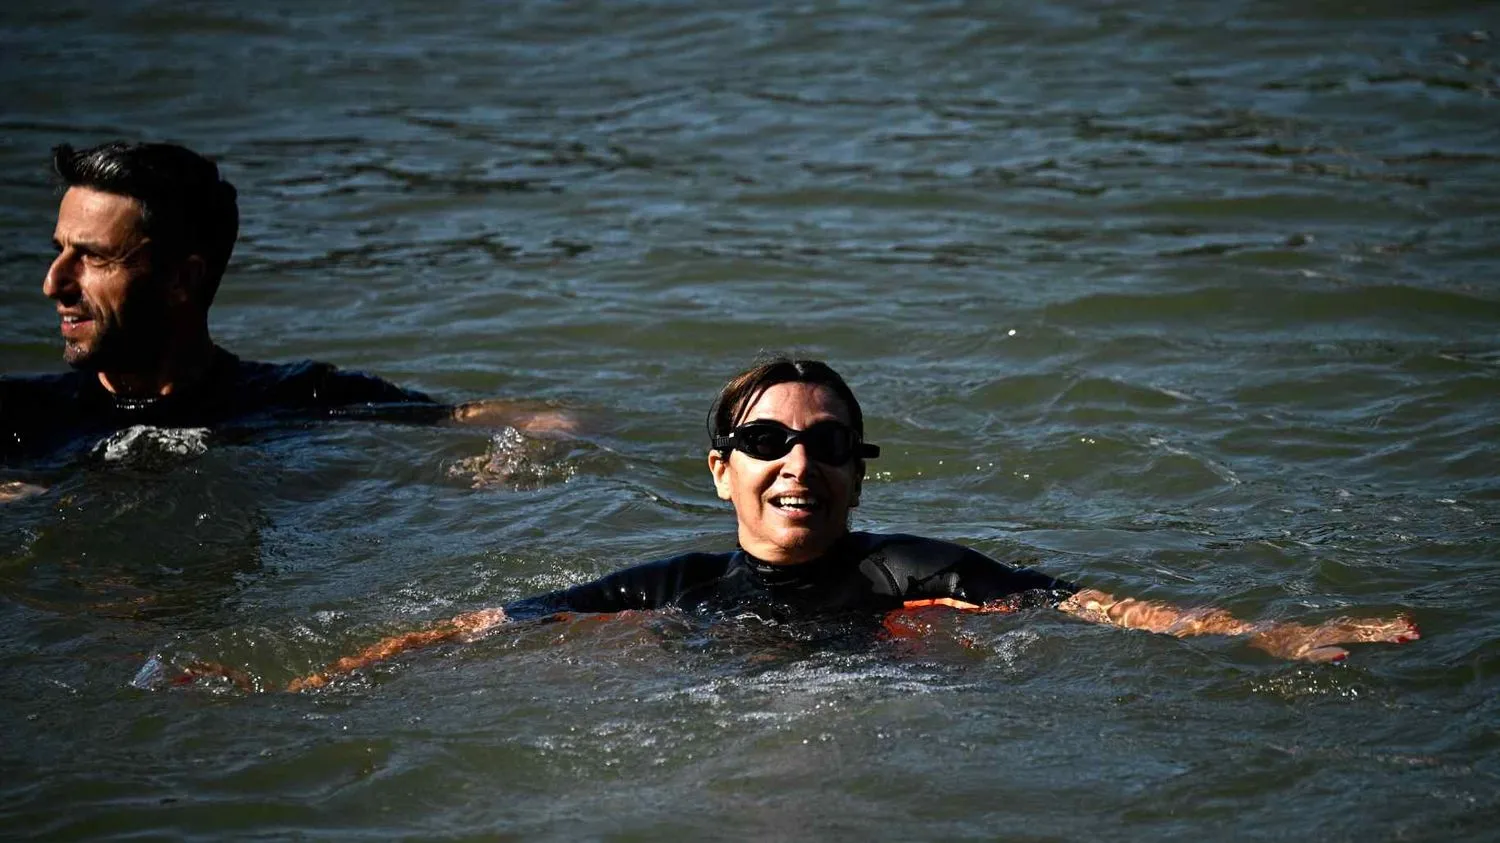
(514, 461)
(791, 691)
(145, 446)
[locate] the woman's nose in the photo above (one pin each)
(796, 462)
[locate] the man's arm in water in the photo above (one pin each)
(526, 416)
(1299, 642)
(15, 490)
(362, 395)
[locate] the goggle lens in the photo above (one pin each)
(828, 442)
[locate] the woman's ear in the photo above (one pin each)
(718, 466)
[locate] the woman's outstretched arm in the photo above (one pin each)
(647, 586)
(463, 627)
(1318, 643)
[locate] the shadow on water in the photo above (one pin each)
(150, 525)
(164, 525)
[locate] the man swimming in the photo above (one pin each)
(143, 237)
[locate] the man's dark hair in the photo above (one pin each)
(744, 389)
(187, 208)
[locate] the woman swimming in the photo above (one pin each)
(788, 451)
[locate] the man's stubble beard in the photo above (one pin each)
(133, 339)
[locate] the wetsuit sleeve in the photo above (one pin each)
(335, 387)
(649, 586)
(927, 569)
(327, 388)
(1026, 587)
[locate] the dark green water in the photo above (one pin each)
(1191, 300)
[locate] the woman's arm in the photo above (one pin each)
(464, 627)
(648, 586)
(1318, 643)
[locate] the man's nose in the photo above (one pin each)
(61, 281)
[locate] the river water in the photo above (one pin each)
(1187, 300)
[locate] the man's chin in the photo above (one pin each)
(81, 357)
(112, 354)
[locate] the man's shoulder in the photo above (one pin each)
(38, 390)
(40, 412)
(49, 380)
(312, 383)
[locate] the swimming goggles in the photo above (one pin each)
(828, 442)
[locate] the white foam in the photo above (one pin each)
(143, 443)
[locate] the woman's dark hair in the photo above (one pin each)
(187, 208)
(742, 391)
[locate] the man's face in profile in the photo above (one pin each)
(111, 304)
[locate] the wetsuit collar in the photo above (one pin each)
(806, 572)
(93, 394)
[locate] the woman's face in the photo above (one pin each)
(791, 509)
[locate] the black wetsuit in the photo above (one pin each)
(864, 572)
(41, 414)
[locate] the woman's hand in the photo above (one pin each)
(213, 670)
(1295, 641)
(1321, 643)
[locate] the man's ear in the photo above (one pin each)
(718, 466)
(186, 281)
(859, 483)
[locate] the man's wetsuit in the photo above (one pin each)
(40, 414)
(863, 572)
